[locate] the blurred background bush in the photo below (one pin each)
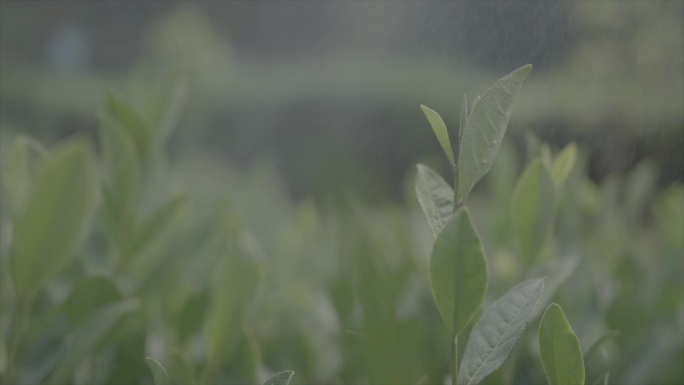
(329, 91)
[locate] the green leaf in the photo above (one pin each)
(18, 169)
(88, 336)
(458, 272)
(89, 294)
(54, 221)
(182, 370)
(440, 130)
(231, 294)
(436, 198)
(485, 129)
(532, 210)
(159, 373)
(172, 109)
(560, 349)
(496, 333)
(282, 378)
(563, 164)
(156, 222)
(132, 121)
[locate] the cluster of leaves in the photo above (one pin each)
(112, 259)
(458, 269)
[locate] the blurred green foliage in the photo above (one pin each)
(223, 278)
(609, 76)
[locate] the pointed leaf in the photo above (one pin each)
(458, 272)
(563, 164)
(159, 373)
(532, 208)
(560, 349)
(440, 130)
(55, 217)
(496, 333)
(436, 198)
(282, 378)
(485, 129)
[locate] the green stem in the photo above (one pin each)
(457, 204)
(454, 361)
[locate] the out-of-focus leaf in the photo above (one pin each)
(88, 335)
(458, 272)
(436, 198)
(159, 373)
(558, 272)
(232, 292)
(192, 314)
(560, 349)
(596, 343)
(563, 164)
(17, 171)
(54, 221)
(485, 129)
(532, 210)
(282, 378)
(172, 110)
(181, 368)
(89, 294)
(156, 222)
(496, 333)
(441, 132)
(639, 188)
(131, 120)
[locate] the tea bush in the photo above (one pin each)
(121, 267)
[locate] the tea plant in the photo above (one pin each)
(458, 269)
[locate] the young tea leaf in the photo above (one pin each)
(532, 208)
(485, 129)
(560, 349)
(496, 333)
(436, 198)
(282, 378)
(440, 130)
(159, 373)
(458, 272)
(55, 217)
(563, 164)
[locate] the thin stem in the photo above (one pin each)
(457, 204)
(454, 361)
